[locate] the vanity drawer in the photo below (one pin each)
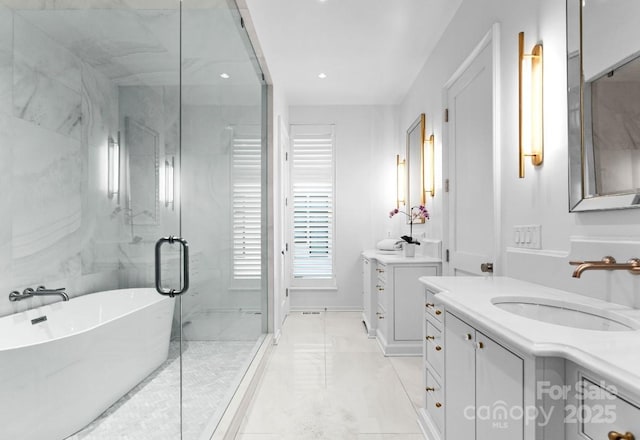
(434, 400)
(381, 271)
(381, 322)
(603, 412)
(434, 349)
(436, 311)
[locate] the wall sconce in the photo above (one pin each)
(169, 186)
(428, 165)
(530, 93)
(113, 164)
(401, 181)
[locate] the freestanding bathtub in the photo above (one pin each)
(59, 374)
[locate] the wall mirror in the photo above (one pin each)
(603, 73)
(143, 172)
(414, 166)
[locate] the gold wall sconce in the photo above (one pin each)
(428, 166)
(401, 176)
(530, 108)
(113, 166)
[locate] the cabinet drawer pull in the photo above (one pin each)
(429, 305)
(380, 288)
(468, 337)
(438, 348)
(480, 345)
(380, 317)
(613, 435)
(430, 389)
(430, 338)
(438, 312)
(380, 270)
(438, 404)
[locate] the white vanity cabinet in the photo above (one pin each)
(494, 374)
(399, 305)
(595, 408)
(469, 380)
(484, 380)
(369, 308)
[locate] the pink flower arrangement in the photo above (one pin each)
(417, 212)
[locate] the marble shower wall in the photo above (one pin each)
(207, 134)
(57, 224)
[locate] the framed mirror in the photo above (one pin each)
(414, 165)
(603, 73)
(143, 163)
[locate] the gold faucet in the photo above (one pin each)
(607, 263)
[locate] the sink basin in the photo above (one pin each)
(566, 314)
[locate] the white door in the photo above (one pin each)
(283, 143)
(470, 148)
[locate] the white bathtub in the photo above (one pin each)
(58, 375)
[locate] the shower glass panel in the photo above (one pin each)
(221, 175)
(127, 121)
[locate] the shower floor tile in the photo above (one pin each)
(211, 372)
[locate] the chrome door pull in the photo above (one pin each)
(185, 266)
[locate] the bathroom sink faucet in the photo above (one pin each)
(40, 291)
(607, 263)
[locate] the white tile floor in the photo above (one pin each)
(326, 380)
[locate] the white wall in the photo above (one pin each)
(365, 192)
(540, 198)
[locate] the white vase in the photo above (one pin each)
(409, 249)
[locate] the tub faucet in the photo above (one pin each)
(40, 291)
(607, 263)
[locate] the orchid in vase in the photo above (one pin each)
(416, 212)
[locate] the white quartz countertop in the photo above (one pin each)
(613, 355)
(398, 257)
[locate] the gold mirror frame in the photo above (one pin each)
(415, 153)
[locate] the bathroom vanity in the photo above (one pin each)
(507, 359)
(392, 299)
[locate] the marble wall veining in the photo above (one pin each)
(56, 112)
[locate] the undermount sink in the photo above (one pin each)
(566, 314)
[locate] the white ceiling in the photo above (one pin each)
(370, 50)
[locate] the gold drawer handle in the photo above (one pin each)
(380, 270)
(613, 435)
(429, 305)
(438, 348)
(438, 404)
(430, 389)
(430, 338)
(438, 312)
(380, 317)
(480, 345)
(468, 337)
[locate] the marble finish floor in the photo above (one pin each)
(212, 371)
(326, 380)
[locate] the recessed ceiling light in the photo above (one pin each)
(225, 75)
(322, 75)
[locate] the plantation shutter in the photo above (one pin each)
(312, 197)
(246, 205)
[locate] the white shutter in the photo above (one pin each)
(246, 207)
(312, 203)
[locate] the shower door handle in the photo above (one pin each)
(185, 266)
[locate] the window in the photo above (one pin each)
(312, 205)
(246, 205)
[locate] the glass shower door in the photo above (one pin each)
(221, 200)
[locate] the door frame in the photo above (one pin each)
(492, 37)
